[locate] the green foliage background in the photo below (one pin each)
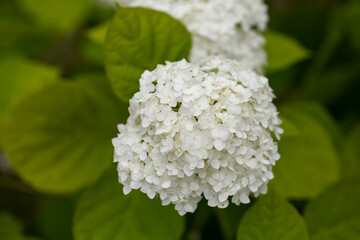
(67, 71)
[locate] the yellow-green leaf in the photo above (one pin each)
(59, 139)
(283, 51)
(309, 159)
(97, 34)
(20, 77)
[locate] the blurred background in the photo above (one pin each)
(63, 39)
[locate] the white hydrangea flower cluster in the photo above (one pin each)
(199, 130)
(219, 27)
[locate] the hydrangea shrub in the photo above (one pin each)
(199, 127)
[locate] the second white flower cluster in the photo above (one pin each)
(231, 28)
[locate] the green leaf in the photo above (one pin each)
(19, 78)
(283, 51)
(351, 153)
(322, 116)
(59, 139)
(309, 157)
(272, 217)
(291, 129)
(139, 39)
(230, 217)
(103, 213)
(57, 15)
(11, 228)
(335, 215)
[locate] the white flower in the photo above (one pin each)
(199, 130)
(219, 27)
